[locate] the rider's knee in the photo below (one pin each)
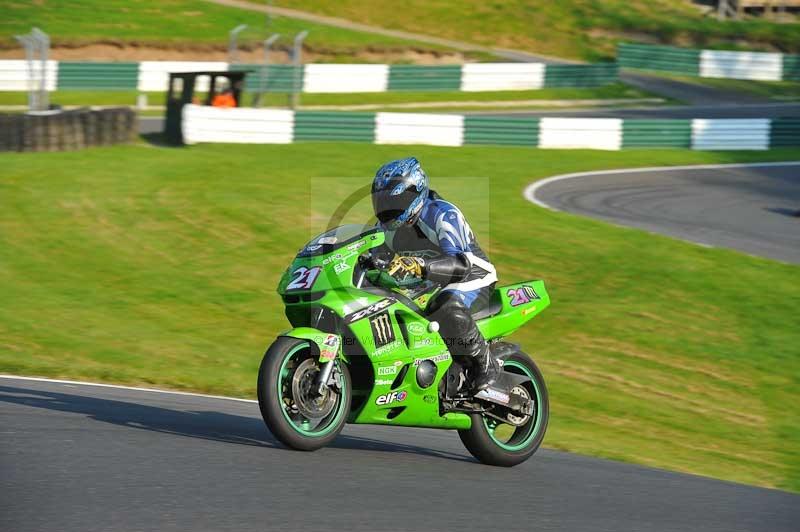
(447, 302)
(451, 313)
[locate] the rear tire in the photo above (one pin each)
(284, 358)
(482, 441)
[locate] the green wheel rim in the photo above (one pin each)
(334, 418)
(531, 429)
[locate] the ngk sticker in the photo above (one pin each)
(389, 398)
(387, 370)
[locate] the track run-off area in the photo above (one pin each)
(752, 208)
(81, 457)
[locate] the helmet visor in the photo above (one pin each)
(393, 210)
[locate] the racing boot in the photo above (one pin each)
(487, 368)
(463, 338)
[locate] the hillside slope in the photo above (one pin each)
(579, 29)
(178, 25)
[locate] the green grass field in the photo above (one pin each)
(451, 98)
(158, 266)
(172, 22)
(567, 28)
(611, 91)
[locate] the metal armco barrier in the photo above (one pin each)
(316, 77)
(710, 63)
(248, 125)
(66, 130)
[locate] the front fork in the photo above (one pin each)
(325, 375)
(328, 353)
(328, 345)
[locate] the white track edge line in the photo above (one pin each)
(120, 387)
(530, 191)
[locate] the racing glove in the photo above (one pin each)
(402, 272)
(403, 267)
(408, 271)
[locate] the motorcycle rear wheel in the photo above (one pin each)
(292, 412)
(506, 445)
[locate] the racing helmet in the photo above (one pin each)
(399, 191)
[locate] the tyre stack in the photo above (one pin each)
(10, 132)
(67, 130)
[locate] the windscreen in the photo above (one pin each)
(336, 238)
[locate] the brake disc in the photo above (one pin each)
(514, 419)
(308, 402)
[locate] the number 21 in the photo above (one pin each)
(304, 278)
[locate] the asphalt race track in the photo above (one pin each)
(84, 458)
(751, 208)
(759, 110)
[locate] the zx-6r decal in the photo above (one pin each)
(370, 310)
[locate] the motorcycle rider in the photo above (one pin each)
(433, 241)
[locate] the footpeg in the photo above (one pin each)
(500, 393)
(493, 395)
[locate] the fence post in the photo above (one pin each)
(36, 45)
(297, 50)
(44, 51)
(262, 79)
(233, 48)
(27, 44)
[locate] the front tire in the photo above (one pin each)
(506, 445)
(296, 417)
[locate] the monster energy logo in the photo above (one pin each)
(382, 331)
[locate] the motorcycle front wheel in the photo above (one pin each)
(507, 444)
(292, 409)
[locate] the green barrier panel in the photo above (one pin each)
(666, 133)
(105, 76)
(276, 78)
(666, 58)
(784, 132)
(791, 68)
(580, 75)
(334, 125)
(424, 78)
(498, 130)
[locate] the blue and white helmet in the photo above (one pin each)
(399, 191)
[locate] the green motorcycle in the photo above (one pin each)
(360, 352)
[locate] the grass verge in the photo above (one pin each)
(452, 98)
(158, 266)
